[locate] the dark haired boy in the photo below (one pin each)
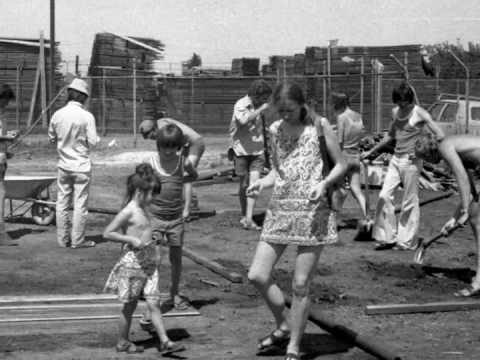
(167, 206)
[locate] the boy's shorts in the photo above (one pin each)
(170, 230)
(247, 163)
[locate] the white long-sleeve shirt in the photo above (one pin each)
(73, 128)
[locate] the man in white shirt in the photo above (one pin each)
(247, 143)
(73, 129)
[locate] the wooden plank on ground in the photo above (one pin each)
(67, 312)
(390, 309)
(213, 266)
(29, 299)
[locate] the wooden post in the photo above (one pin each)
(362, 83)
(134, 102)
(43, 81)
(17, 98)
(34, 95)
(104, 105)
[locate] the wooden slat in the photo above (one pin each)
(422, 308)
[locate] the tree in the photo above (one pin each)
(194, 61)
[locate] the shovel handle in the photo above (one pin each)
(439, 236)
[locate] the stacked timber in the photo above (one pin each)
(23, 54)
(299, 64)
(112, 65)
(246, 67)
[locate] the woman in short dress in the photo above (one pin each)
(297, 213)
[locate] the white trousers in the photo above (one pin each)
(73, 189)
(405, 171)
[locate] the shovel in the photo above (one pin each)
(419, 255)
(365, 226)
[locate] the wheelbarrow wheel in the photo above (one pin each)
(43, 214)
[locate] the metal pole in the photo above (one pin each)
(362, 83)
(324, 83)
(51, 88)
(134, 102)
(467, 89)
(329, 65)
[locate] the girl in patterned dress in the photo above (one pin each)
(297, 213)
(137, 270)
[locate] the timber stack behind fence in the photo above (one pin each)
(18, 67)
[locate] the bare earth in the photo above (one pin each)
(350, 276)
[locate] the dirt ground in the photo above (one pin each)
(350, 275)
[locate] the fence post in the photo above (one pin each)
(134, 102)
(192, 94)
(17, 97)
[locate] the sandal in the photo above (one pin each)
(147, 325)
(129, 348)
(86, 244)
(468, 291)
(292, 356)
(249, 225)
(169, 347)
(274, 340)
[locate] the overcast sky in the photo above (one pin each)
(220, 30)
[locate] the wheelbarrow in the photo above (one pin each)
(31, 193)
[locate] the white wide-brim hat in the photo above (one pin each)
(80, 86)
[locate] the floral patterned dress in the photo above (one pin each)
(291, 218)
(135, 273)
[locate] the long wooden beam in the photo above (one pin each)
(390, 309)
(369, 344)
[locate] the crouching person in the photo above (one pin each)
(462, 154)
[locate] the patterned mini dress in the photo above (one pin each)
(135, 273)
(291, 218)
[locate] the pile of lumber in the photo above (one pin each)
(246, 67)
(18, 67)
(114, 58)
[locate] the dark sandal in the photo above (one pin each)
(170, 347)
(468, 291)
(129, 348)
(273, 340)
(181, 304)
(292, 356)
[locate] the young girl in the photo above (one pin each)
(137, 269)
(297, 213)
(350, 131)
